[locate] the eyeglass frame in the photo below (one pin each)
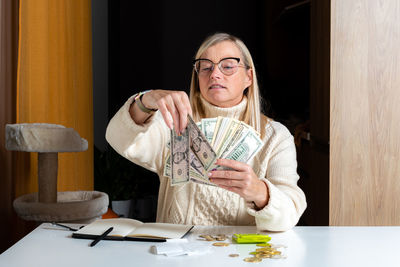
(236, 58)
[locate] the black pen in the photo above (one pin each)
(66, 226)
(102, 236)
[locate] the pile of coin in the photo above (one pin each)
(266, 251)
(219, 237)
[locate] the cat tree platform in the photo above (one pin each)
(49, 205)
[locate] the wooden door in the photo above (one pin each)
(365, 113)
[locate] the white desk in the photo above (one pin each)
(307, 246)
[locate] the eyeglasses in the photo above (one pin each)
(227, 66)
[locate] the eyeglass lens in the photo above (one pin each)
(227, 66)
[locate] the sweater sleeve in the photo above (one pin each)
(142, 144)
(286, 200)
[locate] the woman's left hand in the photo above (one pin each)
(241, 180)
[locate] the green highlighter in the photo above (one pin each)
(250, 238)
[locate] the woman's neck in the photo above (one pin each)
(212, 111)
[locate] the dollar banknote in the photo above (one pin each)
(193, 154)
(167, 165)
(196, 170)
(207, 127)
(216, 130)
(230, 133)
(199, 145)
(222, 131)
(246, 148)
(195, 164)
(239, 133)
(180, 157)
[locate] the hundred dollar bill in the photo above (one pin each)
(199, 145)
(179, 157)
(167, 165)
(228, 135)
(247, 147)
(234, 131)
(240, 132)
(216, 130)
(224, 126)
(207, 127)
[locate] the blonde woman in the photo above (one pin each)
(263, 192)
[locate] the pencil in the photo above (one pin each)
(102, 236)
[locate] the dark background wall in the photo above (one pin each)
(151, 45)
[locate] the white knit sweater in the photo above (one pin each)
(192, 203)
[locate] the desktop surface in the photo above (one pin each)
(50, 245)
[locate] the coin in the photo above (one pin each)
(220, 244)
(207, 237)
(263, 245)
(252, 259)
(233, 255)
(264, 249)
(263, 255)
(220, 237)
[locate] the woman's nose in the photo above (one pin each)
(216, 73)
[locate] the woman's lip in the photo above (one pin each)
(216, 86)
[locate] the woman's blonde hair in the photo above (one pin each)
(252, 113)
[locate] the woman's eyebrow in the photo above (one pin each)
(220, 58)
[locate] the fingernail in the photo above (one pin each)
(209, 174)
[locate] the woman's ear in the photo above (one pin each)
(249, 78)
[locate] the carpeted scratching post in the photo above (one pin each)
(47, 205)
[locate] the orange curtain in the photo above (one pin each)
(54, 85)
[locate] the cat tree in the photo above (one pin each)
(48, 205)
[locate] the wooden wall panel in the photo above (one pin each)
(365, 113)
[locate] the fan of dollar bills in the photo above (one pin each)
(193, 153)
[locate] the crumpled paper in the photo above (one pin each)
(178, 247)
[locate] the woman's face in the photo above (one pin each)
(220, 89)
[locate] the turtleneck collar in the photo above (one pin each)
(233, 112)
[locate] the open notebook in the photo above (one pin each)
(130, 229)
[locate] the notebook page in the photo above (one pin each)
(122, 226)
(160, 230)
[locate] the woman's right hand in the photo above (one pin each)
(173, 105)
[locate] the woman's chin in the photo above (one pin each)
(218, 95)
(217, 100)
(222, 102)
(220, 98)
